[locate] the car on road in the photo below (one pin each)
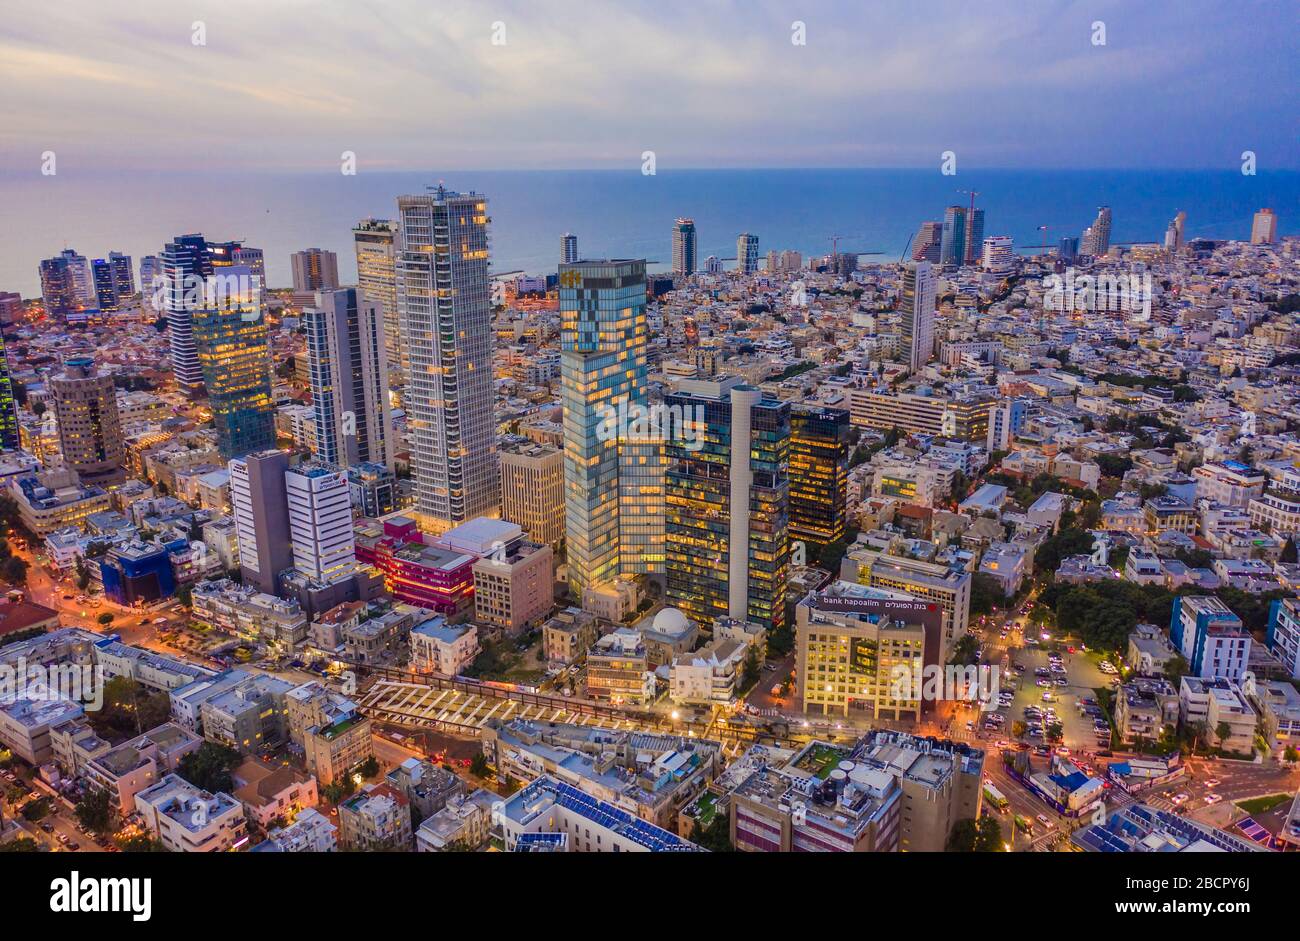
(1042, 818)
(1212, 782)
(1212, 799)
(1179, 799)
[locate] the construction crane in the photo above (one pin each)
(902, 256)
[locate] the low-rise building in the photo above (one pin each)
(618, 669)
(443, 648)
(464, 822)
(710, 676)
(310, 832)
(567, 635)
(272, 792)
(187, 819)
(140, 763)
(376, 818)
(1218, 705)
(1144, 706)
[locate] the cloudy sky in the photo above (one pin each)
(405, 84)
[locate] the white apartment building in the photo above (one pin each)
(189, 820)
(320, 522)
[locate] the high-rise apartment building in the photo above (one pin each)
(185, 266)
(320, 522)
(819, 473)
(928, 242)
(59, 290)
(916, 312)
(1174, 234)
(603, 376)
(10, 438)
(445, 307)
(375, 241)
(684, 247)
(349, 379)
(974, 237)
(90, 433)
(746, 253)
(1096, 238)
(106, 298)
(314, 269)
(952, 246)
(726, 496)
(532, 490)
(260, 505)
(232, 347)
(1263, 228)
(568, 248)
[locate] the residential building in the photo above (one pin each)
(90, 434)
(314, 269)
(684, 252)
(618, 670)
(514, 586)
(187, 819)
(442, 648)
(375, 243)
(1210, 637)
(916, 312)
(377, 818)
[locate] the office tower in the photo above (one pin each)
(998, 256)
(949, 588)
(260, 505)
(9, 436)
(349, 379)
(684, 247)
(320, 522)
(314, 269)
(746, 253)
(952, 245)
(603, 374)
(123, 277)
(82, 279)
(445, 305)
(59, 287)
(726, 496)
(1068, 249)
(1263, 228)
(568, 248)
(90, 433)
(11, 307)
(928, 242)
(819, 473)
(916, 310)
(1174, 234)
(1096, 238)
(186, 266)
(974, 238)
(150, 269)
(532, 490)
(106, 298)
(231, 344)
(375, 243)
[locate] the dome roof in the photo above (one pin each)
(671, 621)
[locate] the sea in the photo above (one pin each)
(616, 213)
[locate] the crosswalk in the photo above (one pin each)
(466, 713)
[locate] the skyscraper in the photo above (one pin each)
(9, 435)
(819, 473)
(375, 244)
(260, 505)
(445, 305)
(1096, 238)
(90, 432)
(349, 379)
(1174, 234)
(568, 248)
(928, 242)
(320, 522)
(58, 287)
(727, 504)
(974, 238)
(684, 247)
(746, 253)
(952, 248)
(916, 309)
(123, 278)
(105, 289)
(1263, 228)
(231, 344)
(613, 486)
(998, 256)
(314, 269)
(185, 267)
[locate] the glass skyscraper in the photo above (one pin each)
(726, 497)
(445, 307)
(231, 345)
(819, 473)
(183, 260)
(375, 244)
(952, 247)
(613, 485)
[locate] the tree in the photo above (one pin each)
(1289, 552)
(95, 811)
(478, 765)
(989, 839)
(1018, 729)
(15, 571)
(1066, 543)
(1222, 732)
(185, 595)
(1290, 755)
(35, 810)
(716, 836)
(985, 593)
(964, 651)
(963, 836)
(83, 573)
(752, 668)
(370, 767)
(1175, 669)
(209, 767)
(143, 843)
(106, 618)
(128, 709)
(23, 844)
